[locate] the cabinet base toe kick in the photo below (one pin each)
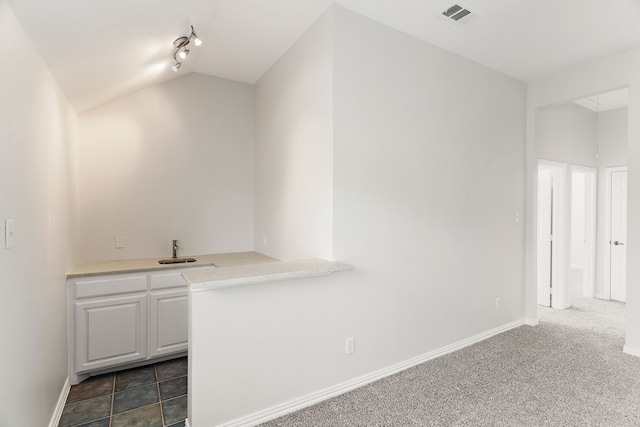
(78, 377)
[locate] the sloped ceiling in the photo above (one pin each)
(100, 50)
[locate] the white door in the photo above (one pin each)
(168, 322)
(545, 231)
(110, 331)
(618, 239)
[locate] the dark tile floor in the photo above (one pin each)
(150, 396)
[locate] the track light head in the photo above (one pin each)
(193, 35)
(180, 47)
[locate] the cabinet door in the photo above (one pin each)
(168, 322)
(110, 331)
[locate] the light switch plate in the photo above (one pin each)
(9, 232)
(350, 345)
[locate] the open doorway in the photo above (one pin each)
(578, 252)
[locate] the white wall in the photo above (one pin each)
(585, 80)
(428, 176)
(294, 150)
(38, 175)
(279, 331)
(174, 161)
(566, 133)
(612, 138)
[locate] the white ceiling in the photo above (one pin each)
(100, 50)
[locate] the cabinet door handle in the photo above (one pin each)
(618, 243)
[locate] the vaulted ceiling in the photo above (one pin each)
(100, 50)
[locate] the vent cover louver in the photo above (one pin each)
(460, 15)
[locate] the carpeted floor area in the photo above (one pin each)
(568, 371)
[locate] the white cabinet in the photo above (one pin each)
(118, 319)
(168, 314)
(110, 331)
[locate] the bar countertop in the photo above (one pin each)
(151, 264)
(249, 274)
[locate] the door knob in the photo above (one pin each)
(618, 243)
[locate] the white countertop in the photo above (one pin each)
(242, 275)
(149, 264)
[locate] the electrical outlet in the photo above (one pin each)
(9, 233)
(498, 303)
(120, 242)
(350, 345)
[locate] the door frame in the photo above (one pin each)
(560, 243)
(545, 264)
(607, 228)
(591, 207)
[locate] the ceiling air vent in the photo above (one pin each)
(460, 15)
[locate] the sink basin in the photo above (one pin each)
(176, 260)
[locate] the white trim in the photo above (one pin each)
(62, 399)
(186, 422)
(607, 228)
(317, 397)
(591, 194)
(532, 322)
(632, 351)
(561, 232)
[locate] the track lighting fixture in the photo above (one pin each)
(181, 50)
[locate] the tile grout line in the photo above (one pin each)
(113, 398)
(155, 370)
(113, 392)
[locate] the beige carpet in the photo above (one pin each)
(568, 371)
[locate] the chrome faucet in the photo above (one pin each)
(175, 249)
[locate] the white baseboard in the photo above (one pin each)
(313, 398)
(632, 351)
(62, 399)
(186, 423)
(532, 322)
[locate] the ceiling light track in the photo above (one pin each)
(180, 51)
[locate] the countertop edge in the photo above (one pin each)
(144, 265)
(230, 277)
(159, 267)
